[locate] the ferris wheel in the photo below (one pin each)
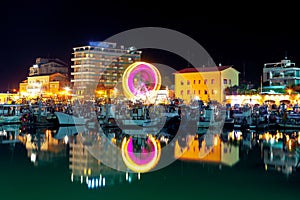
(140, 79)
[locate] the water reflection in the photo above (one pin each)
(87, 151)
(42, 147)
(86, 169)
(208, 148)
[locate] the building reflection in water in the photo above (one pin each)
(207, 148)
(86, 169)
(42, 147)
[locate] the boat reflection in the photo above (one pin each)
(280, 151)
(42, 147)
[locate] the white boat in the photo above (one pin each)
(66, 119)
(68, 131)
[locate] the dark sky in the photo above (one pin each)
(246, 37)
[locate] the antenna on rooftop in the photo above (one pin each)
(244, 71)
(285, 57)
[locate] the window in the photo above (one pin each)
(199, 91)
(212, 81)
(194, 91)
(225, 81)
(188, 82)
(205, 91)
(188, 91)
(199, 81)
(194, 82)
(181, 92)
(205, 81)
(182, 83)
(213, 91)
(229, 81)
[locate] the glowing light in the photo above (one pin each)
(140, 78)
(67, 89)
(215, 141)
(93, 183)
(33, 157)
(146, 161)
(66, 139)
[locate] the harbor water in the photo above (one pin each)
(44, 163)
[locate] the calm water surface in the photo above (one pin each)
(44, 165)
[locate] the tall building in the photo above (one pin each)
(281, 73)
(98, 67)
(44, 66)
(206, 83)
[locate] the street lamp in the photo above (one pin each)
(67, 89)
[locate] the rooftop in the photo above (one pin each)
(204, 69)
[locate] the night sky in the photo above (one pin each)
(245, 37)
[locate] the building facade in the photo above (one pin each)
(284, 72)
(48, 86)
(206, 83)
(44, 66)
(99, 66)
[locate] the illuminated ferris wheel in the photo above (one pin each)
(142, 160)
(140, 79)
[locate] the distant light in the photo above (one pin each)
(33, 157)
(93, 183)
(103, 182)
(66, 139)
(35, 66)
(67, 89)
(72, 177)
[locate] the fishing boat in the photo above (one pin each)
(67, 119)
(10, 113)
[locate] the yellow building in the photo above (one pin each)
(8, 98)
(51, 85)
(207, 83)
